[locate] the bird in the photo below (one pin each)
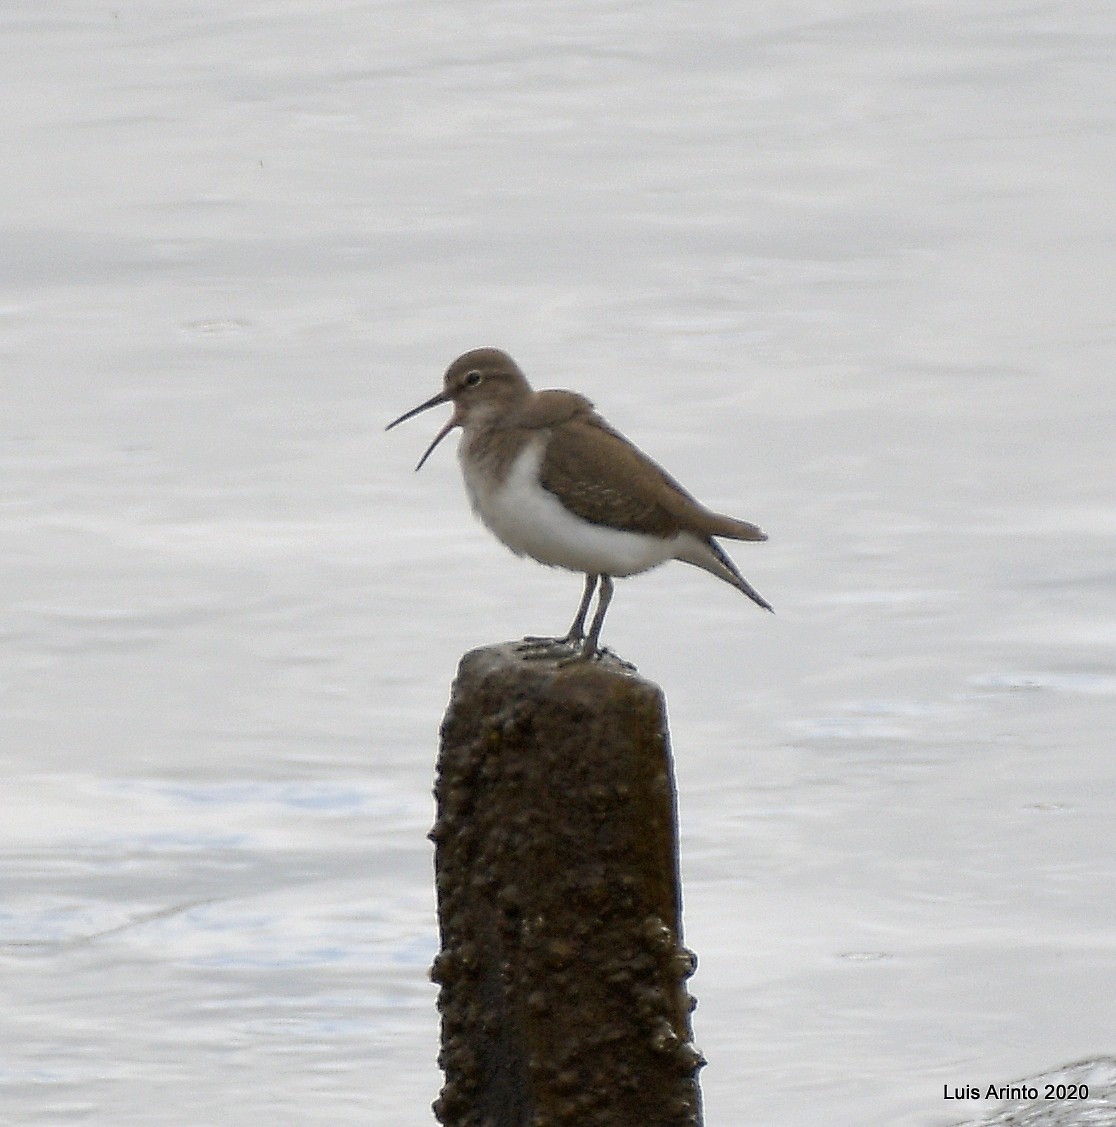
(552, 480)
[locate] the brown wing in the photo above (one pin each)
(605, 480)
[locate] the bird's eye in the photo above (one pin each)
(472, 378)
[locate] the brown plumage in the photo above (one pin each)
(521, 447)
(603, 478)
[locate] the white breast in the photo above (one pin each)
(533, 522)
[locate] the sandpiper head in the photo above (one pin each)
(480, 383)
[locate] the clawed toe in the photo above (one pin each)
(605, 652)
(597, 653)
(536, 641)
(535, 648)
(584, 646)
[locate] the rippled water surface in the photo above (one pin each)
(846, 269)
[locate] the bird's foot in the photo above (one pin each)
(535, 648)
(532, 640)
(603, 652)
(582, 657)
(595, 653)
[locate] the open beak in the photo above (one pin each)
(433, 401)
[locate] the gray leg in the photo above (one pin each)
(603, 599)
(577, 630)
(590, 649)
(576, 633)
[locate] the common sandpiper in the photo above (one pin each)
(552, 480)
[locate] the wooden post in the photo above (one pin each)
(562, 969)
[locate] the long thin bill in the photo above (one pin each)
(437, 438)
(433, 401)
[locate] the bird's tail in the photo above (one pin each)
(710, 556)
(732, 529)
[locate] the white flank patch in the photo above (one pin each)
(533, 522)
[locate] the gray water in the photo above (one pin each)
(846, 269)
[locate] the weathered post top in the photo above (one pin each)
(562, 971)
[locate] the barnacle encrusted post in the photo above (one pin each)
(562, 969)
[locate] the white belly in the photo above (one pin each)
(533, 522)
